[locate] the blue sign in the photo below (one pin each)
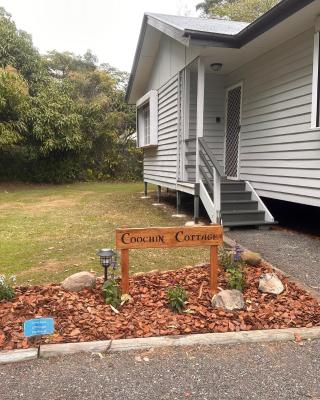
(38, 326)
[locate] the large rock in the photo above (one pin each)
(229, 300)
(79, 281)
(251, 258)
(270, 283)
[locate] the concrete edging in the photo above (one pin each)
(204, 339)
(12, 356)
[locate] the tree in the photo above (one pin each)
(62, 116)
(60, 65)
(53, 121)
(206, 6)
(13, 106)
(239, 10)
(16, 49)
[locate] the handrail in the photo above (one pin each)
(213, 160)
(206, 163)
(216, 173)
(209, 183)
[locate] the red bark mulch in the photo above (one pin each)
(84, 316)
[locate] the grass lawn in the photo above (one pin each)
(50, 232)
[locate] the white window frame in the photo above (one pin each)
(315, 112)
(150, 99)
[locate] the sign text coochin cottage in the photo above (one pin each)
(170, 237)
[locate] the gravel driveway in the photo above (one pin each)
(271, 371)
(297, 254)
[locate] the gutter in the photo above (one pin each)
(271, 18)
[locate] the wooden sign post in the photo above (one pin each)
(144, 238)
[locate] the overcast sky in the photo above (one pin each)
(110, 28)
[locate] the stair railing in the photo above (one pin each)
(216, 174)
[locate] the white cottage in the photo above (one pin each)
(230, 112)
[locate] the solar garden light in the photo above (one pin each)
(108, 258)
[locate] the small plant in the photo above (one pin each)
(225, 258)
(112, 293)
(6, 290)
(177, 297)
(237, 254)
(236, 279)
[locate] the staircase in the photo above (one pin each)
(231, 202)
(240, 206)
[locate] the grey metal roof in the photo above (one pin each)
(209, 25)
(217, 31)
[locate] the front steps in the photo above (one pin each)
(240, 207)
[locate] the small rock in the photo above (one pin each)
(251, 258)
(79, 281)
(229, 300)
(139, 274)
(270, 283)
(192, 223)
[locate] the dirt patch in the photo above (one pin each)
(85, 317)
(51, 265)
(45, 203)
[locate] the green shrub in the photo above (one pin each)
(124, 163)
(112, 293)
(6, 290)
(177, 297)
(236, 278)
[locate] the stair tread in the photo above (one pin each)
(248, 223)
(232, 182)
(243, 212)
(238, 201)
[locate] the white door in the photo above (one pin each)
(233, 118)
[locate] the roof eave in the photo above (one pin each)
(271, 18)
(211, 39)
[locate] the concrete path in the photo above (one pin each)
(295, 253)
(271, 371)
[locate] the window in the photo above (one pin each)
(315, 116)
(146, 128)
(147, 120)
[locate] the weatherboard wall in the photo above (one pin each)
(172, 57)
(160, 162)
(279, 152)
(213, 120)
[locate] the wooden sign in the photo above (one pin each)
(171, 237)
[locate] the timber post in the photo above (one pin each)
(178, 201)
(196, 203)
(159, 194)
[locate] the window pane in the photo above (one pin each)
(146, 117)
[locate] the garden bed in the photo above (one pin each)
(84, 316)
